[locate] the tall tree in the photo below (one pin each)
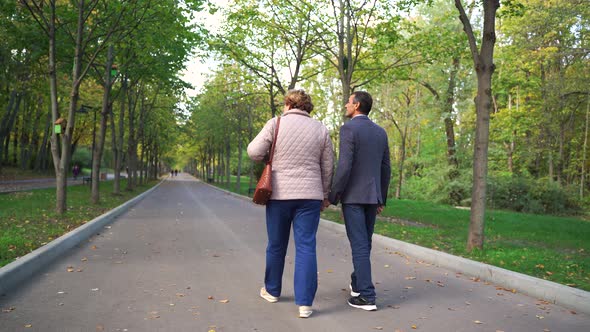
(483, 60)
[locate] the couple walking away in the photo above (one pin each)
(303, 164)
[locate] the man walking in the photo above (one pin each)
(360, 184)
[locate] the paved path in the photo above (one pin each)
(191, 258)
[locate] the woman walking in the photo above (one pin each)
(302, 169)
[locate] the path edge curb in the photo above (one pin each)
(568, 297)
(25, 267)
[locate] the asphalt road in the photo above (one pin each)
(191, 258)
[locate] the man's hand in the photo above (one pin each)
(379, 209)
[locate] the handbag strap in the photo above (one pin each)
(274, 141)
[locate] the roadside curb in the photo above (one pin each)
(27, 266)
(571, 298)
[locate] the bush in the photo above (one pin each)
(521, 194)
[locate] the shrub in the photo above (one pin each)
(521, 194)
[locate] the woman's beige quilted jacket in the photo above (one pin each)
(304, 157)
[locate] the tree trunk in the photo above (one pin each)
(484, 67)
(41, 162)
(131, 150)
(102, 129)
(582, 176)
(240, 147)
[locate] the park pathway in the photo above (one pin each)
(191, 258)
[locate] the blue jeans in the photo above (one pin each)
(304, 214)
(359, 220)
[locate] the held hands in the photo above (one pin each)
(325, 204)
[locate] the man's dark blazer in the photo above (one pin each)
(364, 171)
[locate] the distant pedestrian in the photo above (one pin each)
(360, 184)
(76, 171)
(301, 175)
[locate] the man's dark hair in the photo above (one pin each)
(365, 99)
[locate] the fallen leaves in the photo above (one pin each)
(478, 322)
(224, 301)
(9, 309)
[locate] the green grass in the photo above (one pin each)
(244, 185)
(28, 219)
(546, 247)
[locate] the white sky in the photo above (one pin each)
(197, 68)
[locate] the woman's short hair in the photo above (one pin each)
(299, 99)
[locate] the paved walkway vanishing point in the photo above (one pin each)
(189, 257)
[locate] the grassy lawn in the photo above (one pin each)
(28, 220)
(546, 247)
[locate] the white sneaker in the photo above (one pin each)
(265, 295)
(353, 293)
(305, 311)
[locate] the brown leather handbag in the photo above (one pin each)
(263, 189)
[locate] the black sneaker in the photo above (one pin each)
(362, 303)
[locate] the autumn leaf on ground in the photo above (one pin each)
(378, 328)
(410, 278)
(329, 271)
(180, 295)
(9, 309)
(477, 322)
(209, 297)
(414, 327)
(93, 248)
(84, 259)
(70, 269)
(29, 325)
(224, 301)
(99, 328)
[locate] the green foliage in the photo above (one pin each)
(83, 157)
(522, 194)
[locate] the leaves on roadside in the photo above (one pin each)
(224, 301)
(478, 322)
